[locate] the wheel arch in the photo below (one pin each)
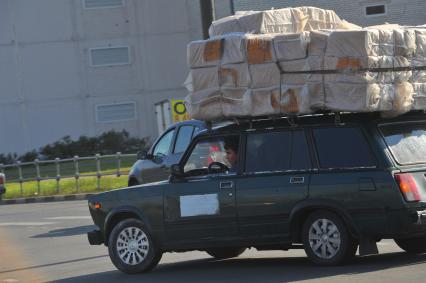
(119, 214)
(302, 210)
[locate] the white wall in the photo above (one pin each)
(48, 88)
(404, 12)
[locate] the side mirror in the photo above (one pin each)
(176, 171)
(143, 155)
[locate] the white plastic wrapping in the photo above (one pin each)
(291, 46)
(285, 20)
(203, 78)
(264, 75)
(366, 92)
(205, 104)
(297, 71)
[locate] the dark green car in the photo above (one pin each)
(326, 183)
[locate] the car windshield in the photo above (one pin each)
(407, 141)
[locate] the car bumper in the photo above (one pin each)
(95, 237)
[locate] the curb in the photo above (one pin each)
(46, 199)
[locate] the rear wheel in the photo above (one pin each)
(412, 245)
(326, 239)
(222, 253)
(131, 247)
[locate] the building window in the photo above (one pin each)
(109, 56)
(117, 112)
(375, 10)
(96, 4)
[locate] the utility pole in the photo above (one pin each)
(231, 3)
(206, 16)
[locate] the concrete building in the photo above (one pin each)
(360, 12)
(82, 67)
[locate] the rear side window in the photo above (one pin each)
(183, 138)
(279, 151)
(407, 142)
(342, 148)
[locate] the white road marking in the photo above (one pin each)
(26, 223)
(67, 217)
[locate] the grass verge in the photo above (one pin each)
(67, 186)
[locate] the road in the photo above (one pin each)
(46, 242)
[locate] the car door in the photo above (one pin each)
(201, 206)
(276, 177)
(156, 169)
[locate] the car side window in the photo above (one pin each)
(163, 146)
(183, 138)
(277, 151)
(343, 148)
(211, 150)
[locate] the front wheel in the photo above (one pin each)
(222, 253)
(412, 245)
(131, 247)
(326, 239)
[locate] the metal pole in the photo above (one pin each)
(231, 2)
(21, 179)
(118, 164)
(206, 16)
(98, 170)
(77, 174)
(58, 174)
(37, 167)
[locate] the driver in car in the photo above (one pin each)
(231, 150)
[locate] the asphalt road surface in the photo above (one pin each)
(47, 242)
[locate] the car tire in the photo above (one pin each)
(412, 245)
(132, 248)
(132, 182)
(223, 253)
(326, 239)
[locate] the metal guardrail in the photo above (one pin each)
(41, 170)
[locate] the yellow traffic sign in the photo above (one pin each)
(178, 109)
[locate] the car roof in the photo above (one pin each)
(196, 123)
(326, 118)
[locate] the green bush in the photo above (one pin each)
(108, 143)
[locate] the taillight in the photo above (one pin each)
(408, 187)
(1, 180)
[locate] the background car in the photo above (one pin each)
(2, 187)
(154, 165)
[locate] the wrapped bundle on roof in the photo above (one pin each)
(276, 63)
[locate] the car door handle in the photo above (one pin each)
(297, 180)
(226, 185)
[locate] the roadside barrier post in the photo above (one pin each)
(77, 174)
(38, 178)
(118, 164)
(98, 171)
(58, 174)
(21, 179)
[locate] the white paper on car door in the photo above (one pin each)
(197, 205)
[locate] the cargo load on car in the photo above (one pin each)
(303, 60)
